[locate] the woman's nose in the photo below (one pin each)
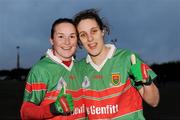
(90, 37)
(67, 40)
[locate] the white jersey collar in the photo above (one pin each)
(109, 55)
(50, 54)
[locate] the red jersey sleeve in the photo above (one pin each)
(32, 111)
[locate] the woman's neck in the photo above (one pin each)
(98, 60)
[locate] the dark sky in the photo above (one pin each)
(149, 27)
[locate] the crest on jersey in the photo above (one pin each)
(115, 78)
(61, 83)
(86, 82)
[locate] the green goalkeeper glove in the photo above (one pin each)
(63, 105)
(139, 71)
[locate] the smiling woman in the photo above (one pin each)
(53, 86)
(64, 41)
(124, 79)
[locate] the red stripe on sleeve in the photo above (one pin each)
(35, 87)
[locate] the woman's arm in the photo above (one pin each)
(150, 94)
(31, 111)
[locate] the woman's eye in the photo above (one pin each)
(94, 31)
(82, 35)
(60, 36)
(72, 36)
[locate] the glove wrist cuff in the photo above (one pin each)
(53, 109)
(148, 83)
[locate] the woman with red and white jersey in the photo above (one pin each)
(115, 80)
(53, 88)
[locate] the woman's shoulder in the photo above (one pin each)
(124, 52)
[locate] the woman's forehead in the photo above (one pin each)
(87, 24)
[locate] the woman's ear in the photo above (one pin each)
(103, 32)
(51, 41)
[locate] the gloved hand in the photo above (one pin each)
(63, 105)
(139, 71)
